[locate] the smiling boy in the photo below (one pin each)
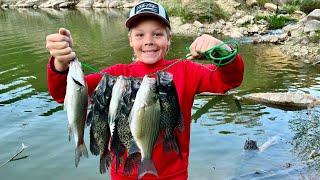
(150, 37)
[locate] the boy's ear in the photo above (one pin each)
(130, 41)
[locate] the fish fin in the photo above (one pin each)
(171, 144)
(79, 151)
(181, 122)
(131, 163)
(69, 133)
(159, 140)
(147, 166)
(89, 115)
(133, 147)
(105, 160)
(65, 102)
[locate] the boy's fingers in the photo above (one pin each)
(64, 31)
(66, 58)
(57, 38)
(57, 45)
(61, 52)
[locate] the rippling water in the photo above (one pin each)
(29, 115)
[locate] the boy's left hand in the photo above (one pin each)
(203, 43)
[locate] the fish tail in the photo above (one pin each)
(105, 160)
(171, 145)
(79, 151)
(132, 162)
(147, 166)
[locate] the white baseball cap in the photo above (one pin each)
(147, 9)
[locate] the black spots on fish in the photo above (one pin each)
(100, 130)
(94, 149)
(131, 163)
(170, 116)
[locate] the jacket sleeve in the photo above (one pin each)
(57, 81)
(209, 78)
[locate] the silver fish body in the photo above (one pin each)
(118, 90)
(120, 87)
(76, 103)
(144, 121)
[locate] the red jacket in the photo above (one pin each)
(189, 78)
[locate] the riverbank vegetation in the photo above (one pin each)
(202, 11)
(276, 21)
(315, 38)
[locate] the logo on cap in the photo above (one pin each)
(147, 7)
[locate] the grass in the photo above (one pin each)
(262, 2)
(289, 8)
(315, 38)
(203, 11)
(275, 22)
(306, 6)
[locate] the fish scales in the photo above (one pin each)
(123, 128)
(120, 88)
(100, 130)
(170, 117)
(144, 121)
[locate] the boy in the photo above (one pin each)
(150, 37)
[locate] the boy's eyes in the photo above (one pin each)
(156, 34)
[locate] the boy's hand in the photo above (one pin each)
(60, 47)
(202, 44)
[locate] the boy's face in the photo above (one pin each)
(149, 41)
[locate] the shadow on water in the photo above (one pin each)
(219, 129)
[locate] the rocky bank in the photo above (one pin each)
(293, 40)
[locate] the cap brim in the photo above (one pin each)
(134, 18)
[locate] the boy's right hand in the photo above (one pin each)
(60, 47)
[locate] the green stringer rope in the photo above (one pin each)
(219, 55)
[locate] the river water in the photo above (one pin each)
(219, 129)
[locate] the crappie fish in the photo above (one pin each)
(123, 127)
(170, 116)
(100, 130)
(76, 103)
(119, 89)
(144, 121)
